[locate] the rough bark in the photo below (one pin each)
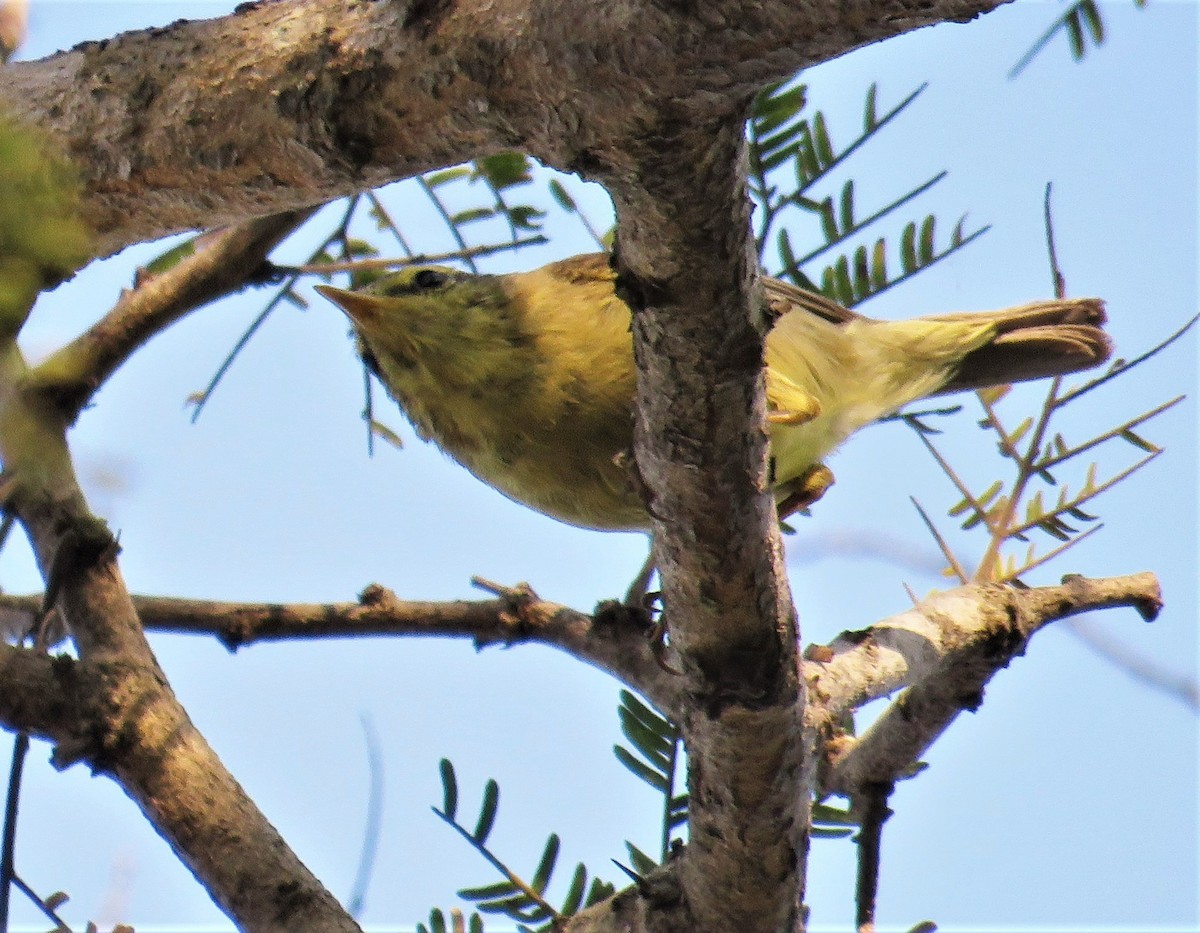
(288, 104)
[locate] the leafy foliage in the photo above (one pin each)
(1012, 510)
(785, 143)
(1083, 25)
(521, 901)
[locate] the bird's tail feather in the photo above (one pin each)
(1047, 338)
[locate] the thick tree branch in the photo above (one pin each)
(687, 267)
(288, 104)
(136, 731)
(944, 651)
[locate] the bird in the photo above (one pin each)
(527, 378)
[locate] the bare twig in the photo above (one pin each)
(374, 822)
(614, 639)
(873, 800)
(223, 263)
(9, 841)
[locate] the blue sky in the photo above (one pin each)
(1068, 802)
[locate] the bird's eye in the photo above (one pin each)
(429, 278)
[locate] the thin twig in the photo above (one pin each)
(870, 839)
(967, 495)
(1050, 462)
(222, 263)
(1060, 283)
(941, 543)
(1124, 366)
(8, 843)
(200, 399)
(374, 825)
(419, 259)
(40, 904)
(1048, 556)
(1085, 496)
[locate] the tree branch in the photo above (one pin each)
(944, 651)
(222, 263)
(284, 105)
(613, 639)
(136, 731)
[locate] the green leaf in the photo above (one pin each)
(808, 166)
(879, 275)
(574, 899)
(445, 176)
(1020, 432)
(787, 258)
(1093, 20)
(956, 238)
(381, 430)
(1055, 529)
(449, 788)
(773, 109)
(559, 193)
(961, 506)
(599, 891)
(541, 877)
(847, 206)
(471, 215)
(487, 814)
(828, 221)
(295, 300)
(1138, 441)
(168, 260)
(648, 740)
(926, 250)
(524, 216)
(642, 863)
(822, 832)
(821, 143)
(824, 813)
(1075, 33)
(845, 291)
(360, 249)
(870, 119)
(862, 273)
(489, 892)
(652, 777)
(775, 159)
(504, 169)
(908, 250)
(990, 493)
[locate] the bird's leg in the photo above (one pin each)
(789, 403)
(639, 589)
(805, 490)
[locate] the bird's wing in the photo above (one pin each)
(783, 298)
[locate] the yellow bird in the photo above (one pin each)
(527, 379)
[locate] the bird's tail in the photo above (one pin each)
(1046, 338)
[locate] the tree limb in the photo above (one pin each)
(131, 726)
(944, 651)
(284, 105)
(223, 262)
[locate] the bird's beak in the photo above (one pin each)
(358, 306)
